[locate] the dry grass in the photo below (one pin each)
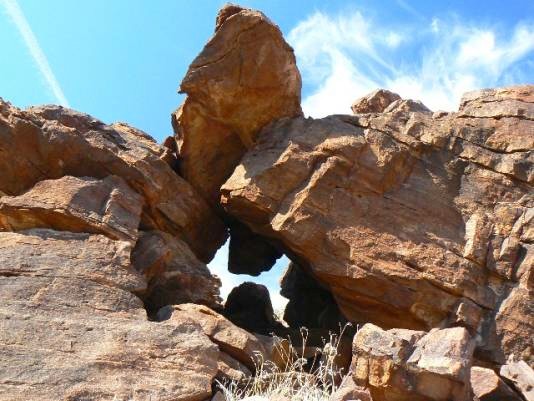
(298, 379)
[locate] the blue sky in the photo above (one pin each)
(123, 60)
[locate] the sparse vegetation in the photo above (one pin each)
(294, 378)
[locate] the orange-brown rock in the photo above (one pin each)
(50, 142)
(411, 219)
(72, 328)
(409, 365)
(173, 273)
(374, 102)
(243, 79)
(85, 204)
(234, 341)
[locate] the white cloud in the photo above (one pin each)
(343, 57)
(17, 16)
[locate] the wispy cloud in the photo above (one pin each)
(345, 56)
(14, 12)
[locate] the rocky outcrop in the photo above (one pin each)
(96, 230)
(71, 326)
(51, 142)
(85, 204)
(173, 273)
(244, 78)
(410, 219)
(415, 225)
(407, 365)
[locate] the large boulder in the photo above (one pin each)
(244, 78)
(410, 219)
(409, 365)
(374, 102)
(50, 142)
(236, 342)
(72, 328)
(249, 306)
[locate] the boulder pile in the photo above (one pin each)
(415, 226)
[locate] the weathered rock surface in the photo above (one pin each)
(85, 204)
(374, 102)
(50, 142)
(411, 219)
(244, 78)
(71, 327)
(410, 365)
(78, 270)
(234, 341)
(487, 386)
(349, 391)
(173, 273)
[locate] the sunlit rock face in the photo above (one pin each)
(244, 78)
(416, 227)
(411, 219)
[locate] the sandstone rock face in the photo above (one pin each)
(79, 270)
(411, 219)
(234, 341)
(71, 327)
(244, 78)
(107, 206)
(173, 273)
(410, 365)
(50, 142)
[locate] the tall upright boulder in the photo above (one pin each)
(244, 78)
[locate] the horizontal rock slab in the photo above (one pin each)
(84, 204)
(71, 326)
(49, 142)
(405, 215)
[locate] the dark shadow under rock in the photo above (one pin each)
(310, 305)
(249, 307)
(250, 253)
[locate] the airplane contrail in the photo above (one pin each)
(17, 16)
